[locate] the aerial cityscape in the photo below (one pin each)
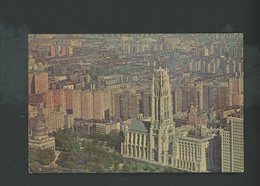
(135, 103)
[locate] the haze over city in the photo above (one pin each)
(130, 103)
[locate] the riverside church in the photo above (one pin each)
(154, 140)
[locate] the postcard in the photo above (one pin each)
(135, 103)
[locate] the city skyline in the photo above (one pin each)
(149, 102)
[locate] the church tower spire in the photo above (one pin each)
(161, 98)
(162, 129)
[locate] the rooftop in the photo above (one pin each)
(139, 126)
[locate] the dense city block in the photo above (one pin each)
(126, 103)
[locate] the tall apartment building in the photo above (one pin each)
(236, 90)
(205, 98)
(49, 101)
(92, 104)
(38, 83)
(68, 98)
(98, 105)
(126, 106)
(232, 145)
(218, 96)
(76, 101)
(108, 104)
(56, 99)
(178, 103)
(86, 105)
(185, 99)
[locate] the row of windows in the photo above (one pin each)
(188, 146)
(189, 153)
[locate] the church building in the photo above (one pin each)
(39, 138)
(153, 140)
(156, 141)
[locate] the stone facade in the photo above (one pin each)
(155, 140)
(40, 138)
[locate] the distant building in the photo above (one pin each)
(56, 99)
(38, 82)
(232, 145)
(196, 118)
(40, 138)
(96, 126)
(54, 120)
(84, 126)
(178, 103)
(60, 50)
(69, 120)
(36, 98)
(236, 90)
(106, 128)
(198, 152)
(68, 98)
(87, 105)
(193, 116)
(98, 105)
(76, 103)
(49, 101)
(205, 98)
(219, 95)
(92, 104)
(126, 105)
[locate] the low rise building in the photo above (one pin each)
(39, 138)
(198, 153)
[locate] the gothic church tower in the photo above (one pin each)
(162, 130)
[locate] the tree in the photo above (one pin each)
(46, 156)
(32, 156)
(66, 140)
(42, 156)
